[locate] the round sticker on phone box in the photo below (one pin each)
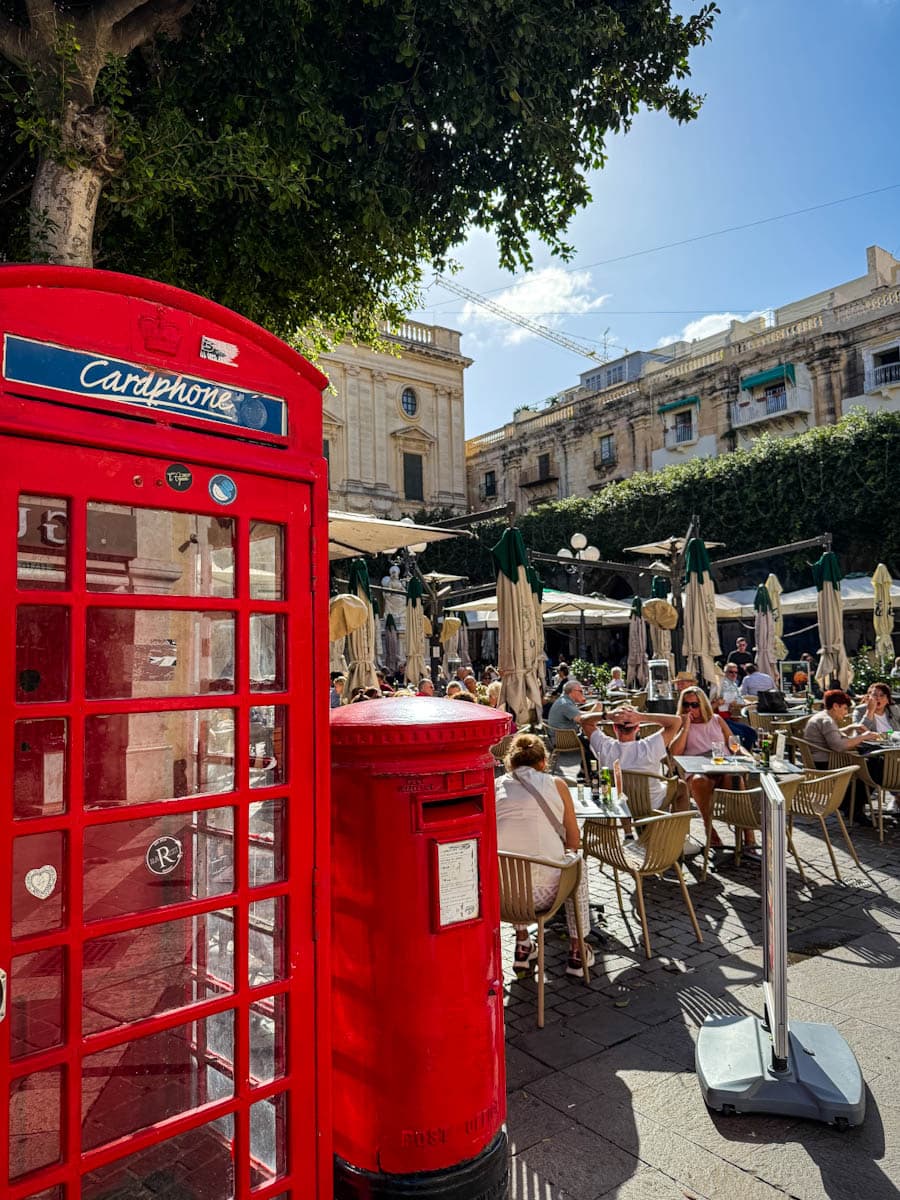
(223, 489)
(179, 477)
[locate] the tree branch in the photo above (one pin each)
(111, 12)
(14, 42)
(148, 20)
(42, 19)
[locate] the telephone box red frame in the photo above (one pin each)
(107, 454)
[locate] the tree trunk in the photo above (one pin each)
(65, 194)
(63, 209)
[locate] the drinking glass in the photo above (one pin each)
(734, 744)
(718, 752)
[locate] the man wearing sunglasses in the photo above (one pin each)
(646, 755)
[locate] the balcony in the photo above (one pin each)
(533, 479)
(755, 410)
(885, 376)
(604, 459)
(680, 435)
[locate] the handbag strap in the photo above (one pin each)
(558, 826)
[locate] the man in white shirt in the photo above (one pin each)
(756, 681)
(645, 756)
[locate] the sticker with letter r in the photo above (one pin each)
(163, 855)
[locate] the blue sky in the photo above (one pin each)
(800, 110)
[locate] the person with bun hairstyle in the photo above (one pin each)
(536, 818)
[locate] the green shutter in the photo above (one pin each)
(685, 400)
(773, 375)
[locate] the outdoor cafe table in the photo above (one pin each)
(699, 764)
(615, 809)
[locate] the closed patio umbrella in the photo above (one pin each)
(521, 645)
(636, 671)
(764, 632)
(465, 659)
(833, 662)
(883, 614)
(537, 596)
(361, 641)
(774, 588)
(390, 643)
(450, 627)
(415, 632)
(660, 637)
(701, 636)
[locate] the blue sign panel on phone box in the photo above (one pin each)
(85, 374)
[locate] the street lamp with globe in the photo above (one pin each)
(581, 555)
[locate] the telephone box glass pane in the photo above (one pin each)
(146, 972)
(42, 653)
(268, 1139)
(266, 843)
(266, 652)
(266, 942)
(268, 1049)
(137, 758)
(197, 1164)
(151, 1079)
(35, 1120)
(36, 992)
(268, 741)
(39, 769)
(266, 561)
(158, 552)
(38, 878)
(156, 653)
(131, 866)
(43, 542)
(51, 1193)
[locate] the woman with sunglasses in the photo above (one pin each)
(702, 731)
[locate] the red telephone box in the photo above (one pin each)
(163, 975)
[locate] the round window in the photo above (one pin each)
(409, 402)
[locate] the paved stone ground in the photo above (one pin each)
(604, 1101)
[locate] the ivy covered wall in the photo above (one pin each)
(842, 479)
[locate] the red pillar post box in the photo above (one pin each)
(419, 1080)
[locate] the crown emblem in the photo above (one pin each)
(159, 334)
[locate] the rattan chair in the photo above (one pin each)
(500, 749)
(565, 740)
(805, 751)
(636, 785)
(639, 701)
(743, 810)
(775, 722)
(819, 796)
(517, 905)
(890, 778)
(660, 848)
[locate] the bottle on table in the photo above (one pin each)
(765, 751)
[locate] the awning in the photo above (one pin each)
(773, 375)
(685, 400)
(350, 534)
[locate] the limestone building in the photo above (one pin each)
(393, 426)
(805, 364)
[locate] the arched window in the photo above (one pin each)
(409, 402)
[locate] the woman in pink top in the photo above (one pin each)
(702, 731)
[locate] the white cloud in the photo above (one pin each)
(549, 297)
(706, 326)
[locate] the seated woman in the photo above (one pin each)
(703, 729)
(536, 818)
(877, 712)
(616, 681)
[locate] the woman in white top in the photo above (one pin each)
(524, 827)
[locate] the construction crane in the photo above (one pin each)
(543, 331)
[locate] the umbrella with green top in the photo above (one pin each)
(520, 655)
(701, 636)
(834, 667)
(774, 588)
(361, 641)
(636, 671)
(415, 632)
(764, 631)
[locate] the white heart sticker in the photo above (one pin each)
(41, 881)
